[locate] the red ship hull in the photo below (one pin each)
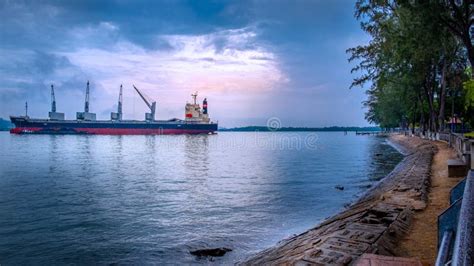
(112, 131)
(36, 126)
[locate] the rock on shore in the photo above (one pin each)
(373, 224)
(210, 252)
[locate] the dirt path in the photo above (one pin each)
(421, 241)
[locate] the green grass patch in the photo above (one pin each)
(469, 135)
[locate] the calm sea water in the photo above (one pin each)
(151, 199)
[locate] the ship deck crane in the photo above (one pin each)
(53, 115)
(118, 114)
(150, 103)
(86, 115)
(119, 106)
(53, 100)
(86, 102)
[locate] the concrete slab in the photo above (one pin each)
(379, 260)
(456, 168)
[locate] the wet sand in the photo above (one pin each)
(376, 223)
(421, 241)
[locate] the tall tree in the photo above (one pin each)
(459, 19)
(408, 62)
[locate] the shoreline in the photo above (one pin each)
(374, 223)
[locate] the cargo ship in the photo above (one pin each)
(196, 120)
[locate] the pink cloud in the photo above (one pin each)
(196, 62)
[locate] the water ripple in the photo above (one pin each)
(137, 199)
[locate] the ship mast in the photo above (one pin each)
(151, 104)
(53, 100)
(194, 96)
(86, 103)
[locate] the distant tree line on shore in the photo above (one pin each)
(329, 129)
(5, 124)
(418, 63)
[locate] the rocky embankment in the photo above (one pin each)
(373, 224)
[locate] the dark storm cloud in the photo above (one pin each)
(29, 72)
(305, 40)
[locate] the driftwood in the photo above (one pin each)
(374, 224)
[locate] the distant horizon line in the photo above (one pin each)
(327, 128)
(289, 128)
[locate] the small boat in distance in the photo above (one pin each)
(196, 121)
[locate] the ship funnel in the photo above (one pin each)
(204, 106)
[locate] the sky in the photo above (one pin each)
(252, 60)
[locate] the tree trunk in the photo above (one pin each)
(470, 52)
(431, 113)
(414, 117)
(460, 25)
(422, 115)
(442, 97)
